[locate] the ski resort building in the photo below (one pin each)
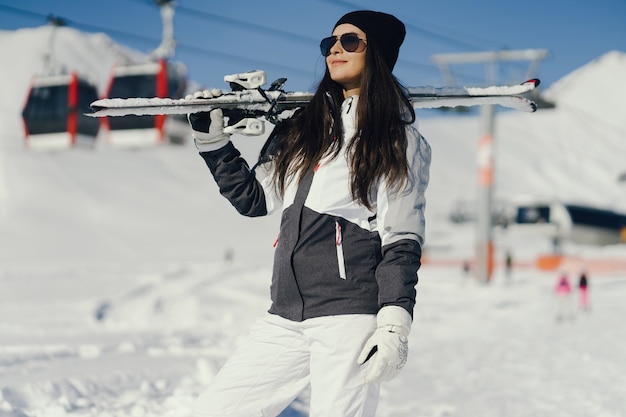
(577, 223)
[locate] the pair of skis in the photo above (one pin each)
(253, 102)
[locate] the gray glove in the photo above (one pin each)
(208, 127)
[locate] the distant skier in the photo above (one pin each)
(583, 288)
(563, 291)
(508, 264)
(349, 172)
(466, 267)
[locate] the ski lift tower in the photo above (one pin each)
(485, 154)
(168, 44)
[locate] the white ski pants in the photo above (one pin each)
(281, 358)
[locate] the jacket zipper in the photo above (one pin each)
(339, 245)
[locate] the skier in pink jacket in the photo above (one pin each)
(563, 291)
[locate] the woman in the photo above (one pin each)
(563, 289)
(583, 286)
(350, 172)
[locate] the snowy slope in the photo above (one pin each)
(141, 239)
(594, 89)
(108, 204)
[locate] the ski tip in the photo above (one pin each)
(95, 109)
(533, 81)
(93, 113)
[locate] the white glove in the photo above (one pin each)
(387, 349)
(208, 127)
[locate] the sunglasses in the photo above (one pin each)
(349, 42)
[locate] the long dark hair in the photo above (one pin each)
(377, 150)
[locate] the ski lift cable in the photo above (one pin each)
(292, 36)
(181, 47)
(248, 25)
(45, 17)
(206, 53)
(200, 14)
(437, 36)
(209, 53)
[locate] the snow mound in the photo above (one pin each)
(597, 87)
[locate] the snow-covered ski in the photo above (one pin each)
(254, 101)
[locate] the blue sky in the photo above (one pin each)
(218, 37)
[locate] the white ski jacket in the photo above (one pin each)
(333, 255)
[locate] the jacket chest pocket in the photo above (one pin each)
(357, 252)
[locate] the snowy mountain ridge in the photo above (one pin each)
(597, 86)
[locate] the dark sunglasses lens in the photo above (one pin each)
(327, 44)
(350, 42)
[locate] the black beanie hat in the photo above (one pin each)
(383, 30)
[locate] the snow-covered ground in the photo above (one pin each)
(126, 280)
(476, 350)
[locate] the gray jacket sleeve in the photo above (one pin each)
(401, 225)
(236, 181)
